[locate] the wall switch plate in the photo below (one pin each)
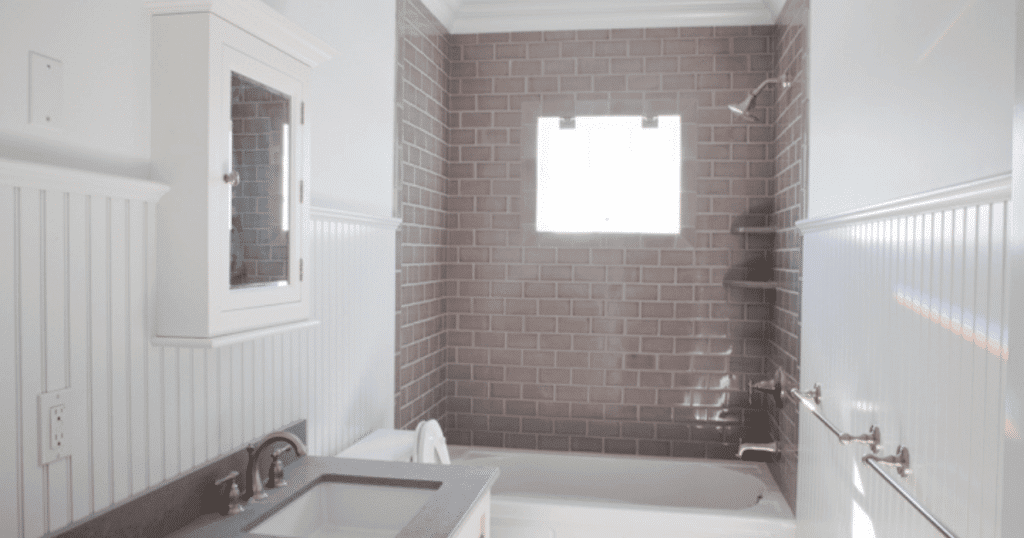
(54, 426)
(46, 90)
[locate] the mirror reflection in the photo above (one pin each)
(260, 150)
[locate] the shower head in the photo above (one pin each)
(744, 108)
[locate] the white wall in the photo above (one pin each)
(1013, 438)
(105, 122)
(155, 413)
(906, 96)
(353, 116)
(909, 96)
(905, 327)
(104, 47)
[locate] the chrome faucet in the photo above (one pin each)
(771, 448)
(254, 486)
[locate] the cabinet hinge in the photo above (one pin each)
(302, 113)
(300, 270)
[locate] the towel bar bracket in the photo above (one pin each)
(812, 398)
(900, 460)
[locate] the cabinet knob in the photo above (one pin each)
(232, 178)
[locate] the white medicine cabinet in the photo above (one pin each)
(230, 137)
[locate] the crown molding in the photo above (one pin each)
(481, 16)
(257, 18)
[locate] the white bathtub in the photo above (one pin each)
(542, 494)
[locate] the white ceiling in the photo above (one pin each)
(480, 16)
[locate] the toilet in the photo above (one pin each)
(424, 445)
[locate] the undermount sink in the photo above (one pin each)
(335, 507)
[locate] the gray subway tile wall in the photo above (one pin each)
(789, 188)
(421, 145)
(618, 344)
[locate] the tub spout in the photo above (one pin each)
(771, 448)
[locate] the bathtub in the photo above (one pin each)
(542, 494)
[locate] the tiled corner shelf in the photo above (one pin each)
(754, 284)
(754, 230)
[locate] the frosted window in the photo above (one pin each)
(609, 174)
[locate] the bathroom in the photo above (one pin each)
(872, 76)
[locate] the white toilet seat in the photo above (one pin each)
(431, 446)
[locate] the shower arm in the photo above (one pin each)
(780, 80)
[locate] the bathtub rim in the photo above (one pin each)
(773, 506)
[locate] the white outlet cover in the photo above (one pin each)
(47, 401)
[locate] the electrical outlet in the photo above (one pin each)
(54, 425)
(57, 427)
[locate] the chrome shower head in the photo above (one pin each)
(744, 108)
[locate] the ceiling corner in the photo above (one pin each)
(444, 10)
(775, 7)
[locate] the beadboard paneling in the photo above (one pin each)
(905, 327)
(76, 266)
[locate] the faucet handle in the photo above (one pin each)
(234, 496)
(276, 478)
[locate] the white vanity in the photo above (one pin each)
(328, 496)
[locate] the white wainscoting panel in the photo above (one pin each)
(905, 327)
(76, 266)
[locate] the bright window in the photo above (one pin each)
(609, 174)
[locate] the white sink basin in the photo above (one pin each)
(341, 509)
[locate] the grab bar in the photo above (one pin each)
(873, 438)
(901, 461)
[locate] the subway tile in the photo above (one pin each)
(576, 83)
(643, 82)
(627, 33)
(593, 66)
(526, 36)
(587, 410)
(555, 307)
(627, 65)
(611, 48)
(653, 448)
(543, 50)
(610, 83)
(478, 52)
(645, 47)
(542, 84)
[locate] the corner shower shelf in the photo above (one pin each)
(754, 230)
(754, 284)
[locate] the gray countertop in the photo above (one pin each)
(460, 488)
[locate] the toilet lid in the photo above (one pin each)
(430, 443)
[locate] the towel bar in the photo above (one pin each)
(873, 438)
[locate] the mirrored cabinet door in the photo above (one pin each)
(263, 134)
(260, 182)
